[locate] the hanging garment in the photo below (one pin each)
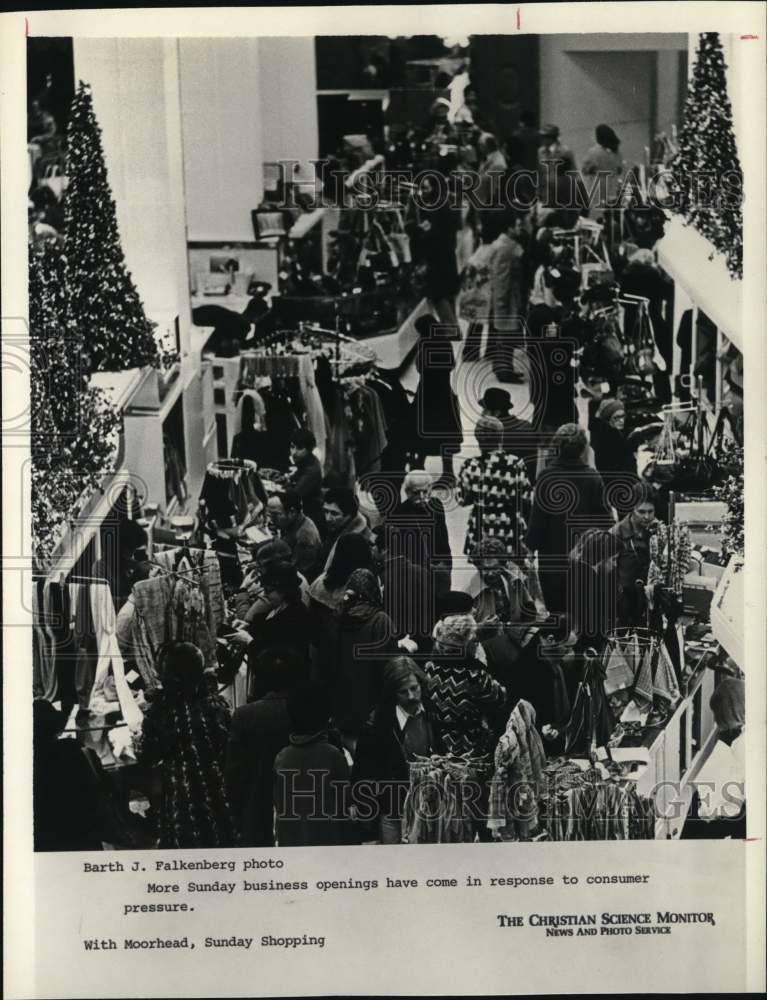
(519, 762)
(441, 802)
(209, 579)
(618, 672)
(259, 409)
(665, 685)
(312, 401)
(110, 657)
(591, 722)
(43, 663)
(643, 686)
(339, 460)
(368, 429)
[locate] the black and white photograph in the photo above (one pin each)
(386, 440)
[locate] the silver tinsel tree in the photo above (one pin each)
(103, 300)
(706, 178)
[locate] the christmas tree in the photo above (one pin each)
(706, 179)
(104, 303)
(73, 426)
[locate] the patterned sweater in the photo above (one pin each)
(497, 486)
(462, 694)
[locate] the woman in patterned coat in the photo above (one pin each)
(496, 486)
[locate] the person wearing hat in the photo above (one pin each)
(495, 485)
(404, 725)
(517, 434)
(466, 698)
(614, 455)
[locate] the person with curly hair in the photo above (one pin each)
(185, 732)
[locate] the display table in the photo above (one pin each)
(676, 752)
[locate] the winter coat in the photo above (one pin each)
(259, 731)
(366, 642)
(311, 778)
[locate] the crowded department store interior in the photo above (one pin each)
(387, 440)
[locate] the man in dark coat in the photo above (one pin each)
(311, 778)
(422, 530)
(403, 725)
(259, 731)
(407, 597)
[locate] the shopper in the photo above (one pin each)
(507, 297)
(633, 559)
(604, 163)
(614, 455)
(185, 732)
(403, 726)
(131, 563)
(568, 494)
(306, 479)
(518, 435)
(502, 606)
(463, 692)
(421, 525)
(342, 517)
(259, 731)
(559, 183)
(68, 801)
(433, 233)
(366, 641)
(591, 582)
(250, 601)
(407, 590)
(311, 778)
(327, 591)
(496, 486)
(285, 511)
(286, 623)
(435, 415)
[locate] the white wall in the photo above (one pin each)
(590, 78)
(135, 98)
(222, 133)
(289, 101)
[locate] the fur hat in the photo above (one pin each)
(455, 632)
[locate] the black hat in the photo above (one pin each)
(497, 399)
(454, 602)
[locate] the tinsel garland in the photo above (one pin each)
(731, 492)
(104, 302)
(706, 180)
(73, 425)
(670, 551)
